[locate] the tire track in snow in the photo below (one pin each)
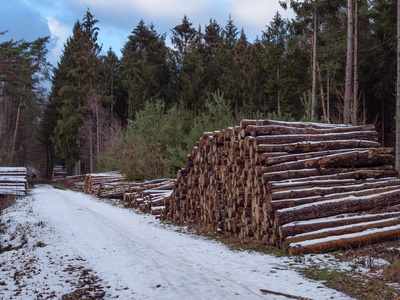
(175, 262)
(157, 262)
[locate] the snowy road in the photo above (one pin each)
(136, 257)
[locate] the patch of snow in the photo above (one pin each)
(133, 255)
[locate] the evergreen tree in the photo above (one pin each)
(83, 73)
(110, 78)
(23, 70)
(144, 67)
(274, 41)
(189, 68)
(225, 61)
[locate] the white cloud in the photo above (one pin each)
(256, 14)
(59, 35)
(162, 9)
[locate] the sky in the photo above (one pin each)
(31, 19)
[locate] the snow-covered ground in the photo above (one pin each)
(63, 241)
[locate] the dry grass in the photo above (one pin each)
(6, 201)
(391, 272)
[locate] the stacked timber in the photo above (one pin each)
(101, 184)
(290, 184)
(149, 196)
(75, 182)
(13, 181)
(59, 173)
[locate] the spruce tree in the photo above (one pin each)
(144, 67)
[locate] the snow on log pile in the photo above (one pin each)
(308, 187)
(13, 181)
(75, 182)
(150, 196)
(104, 185)
(59, 173)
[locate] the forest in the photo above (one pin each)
(142, 113)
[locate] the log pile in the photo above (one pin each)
(59, 173)
(149, 196)
(74, 182)
(13, 181)
(308, 187)
(104, 185)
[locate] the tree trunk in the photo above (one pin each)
(314, 67)
(349, 63)
(98, 130)
(355, 87)
(16, 128)
(90, 150)
(321, 87)
(279, 89)
(328, 90)
(15, 133)
(397, 156)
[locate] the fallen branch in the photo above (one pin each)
(283, 294)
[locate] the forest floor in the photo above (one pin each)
(66, 245)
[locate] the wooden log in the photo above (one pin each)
(347, 240)
(338, 187)
(255, 130)
(364, 158)
(285, 203)
(370, 172)
(309, 146)
(296, 138)
(340, 230)
(334, 207)
(301, 227)
(273, 160)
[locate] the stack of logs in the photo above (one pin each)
(105, 185)
(59, 173)
(75, 182)
(308, 187)
(149, 196)
(13, 181)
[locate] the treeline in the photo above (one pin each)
(144, 112)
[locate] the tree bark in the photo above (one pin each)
(305, 147)
(355, 87)
(388, 233)
(341, 220)
(349, 63)
(335, 207)
(321, 87)
(397, 156)
(314, 64)
(297, 138)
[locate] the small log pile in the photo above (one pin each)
(149, 196)
(59, 173)
(74, 182)
(13, 181)
(308, 187)
(104, 185)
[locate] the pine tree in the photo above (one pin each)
(274, 41)
(83, 73)
(144, 67)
